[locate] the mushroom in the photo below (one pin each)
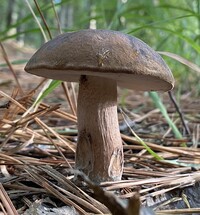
(100, 60)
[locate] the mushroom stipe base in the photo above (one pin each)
(99, 149)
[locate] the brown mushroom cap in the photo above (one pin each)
(104, 53)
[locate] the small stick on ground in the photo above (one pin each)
(173, 99)
(5, 56)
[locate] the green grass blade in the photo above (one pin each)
(53, 84)
(190, 41)
(48, 88)
(182, 60)
(151, 152)
(15, 62)
(157, 101)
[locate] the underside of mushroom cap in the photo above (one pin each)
(104, 53)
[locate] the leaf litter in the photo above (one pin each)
(38, 154)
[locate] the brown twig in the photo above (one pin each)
(173, 99)
(43, 19)
(66, 91)
(5, 56)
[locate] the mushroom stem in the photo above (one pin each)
(99, 150)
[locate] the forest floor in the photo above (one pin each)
(38, 151)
